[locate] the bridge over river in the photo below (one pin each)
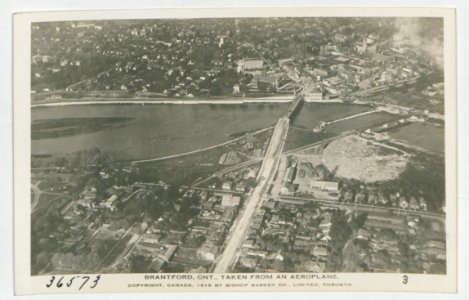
(226, 260)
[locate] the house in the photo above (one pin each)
(348, 196)
(330, 186)
(394, 199)
(327, 49)
(285, 61)
(110, 202)
(289, 189)
(435, 248)
(300, 244)
(208, 251)
(360, 198)
(371, 48)
(230, 200)
(279, 256)
(436, 226)
(250, 174)
(363, 234)
(413, 203)
(248, 262)
(360, 47)
(423, 204)
(291, 173)
(236, 89)
(365, 84)
(270, 204)
(320, 251)
(403, 204)
(333, 81)
(319, 72)
(438, 253)
(256, 225)
(151, 238)
(326, 222)
(226, 185)
(89, 193)
(248, 244)
(386, 76)
(315, 266)
(241, 186)
(435, 244)
(258, 253)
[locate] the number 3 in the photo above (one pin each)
(405, 279)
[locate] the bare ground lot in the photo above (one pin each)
(356, 158)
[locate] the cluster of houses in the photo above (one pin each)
(372, 197)
(166, 58)
(384, 236)
(277, 227)
(196, 244)
(338, 72)
(199, 245)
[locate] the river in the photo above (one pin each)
(165, 129)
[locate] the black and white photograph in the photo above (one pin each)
(238, 148)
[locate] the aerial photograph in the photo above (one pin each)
(238, 145)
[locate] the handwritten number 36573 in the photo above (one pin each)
(84, 280)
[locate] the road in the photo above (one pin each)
(37, 194)
(111, 252)
(266, 172)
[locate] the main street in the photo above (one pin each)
(269, 165)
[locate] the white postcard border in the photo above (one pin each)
(26, 284)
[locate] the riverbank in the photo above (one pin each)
(144, 101)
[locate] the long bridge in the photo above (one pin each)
(266, 173)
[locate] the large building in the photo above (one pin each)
(330, 186)
(250, 65)
(313, 94)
